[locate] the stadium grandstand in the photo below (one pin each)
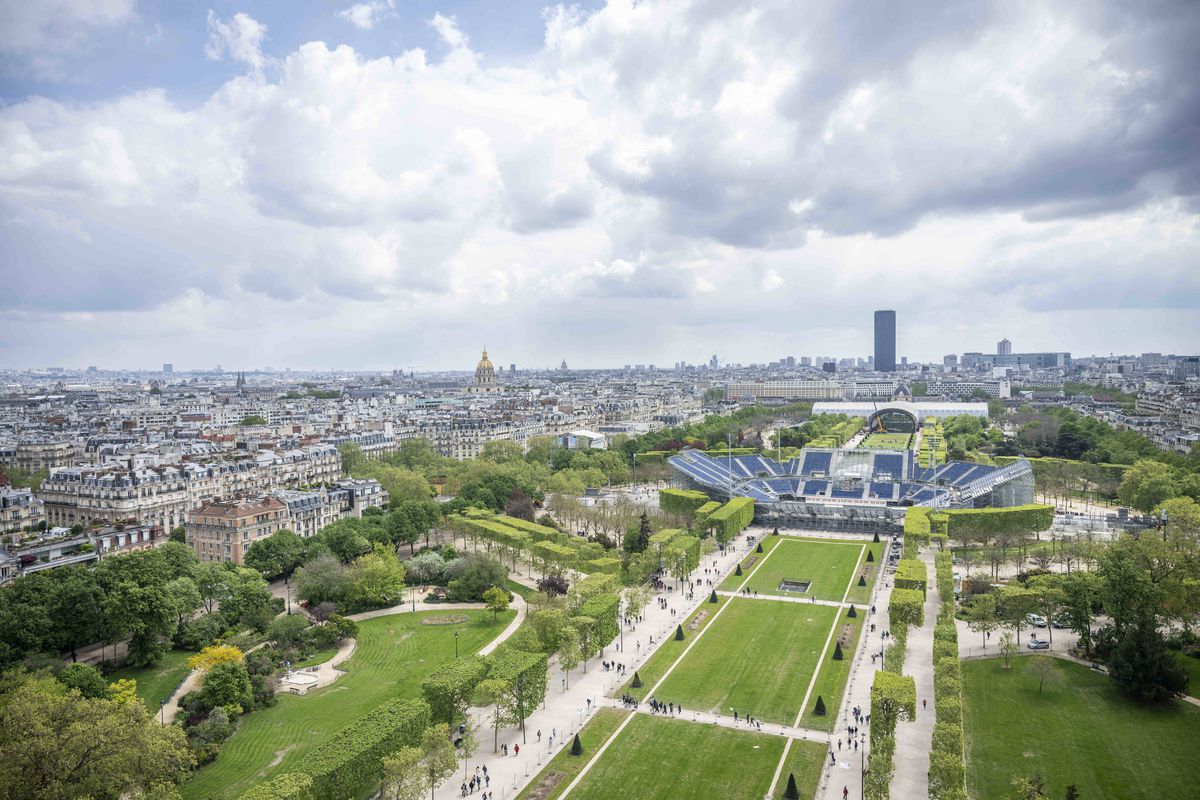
(859, 489)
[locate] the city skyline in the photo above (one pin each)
(246, 200)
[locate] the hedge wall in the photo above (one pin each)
(732, 518)
(947, 768)
(703, 512)
(605, 609)
(538, 532)
(907, 607)
(681, 501)
(912, 573)
(983, 523)
(352, 761)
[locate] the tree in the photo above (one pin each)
(448, 690)
(519, 505)
(352, 457)
(1008, 647)
(791, 792)
(641, 540)
(437, 755)
(347, 538)
(496, 600)
(1147, 484)
(1144, 667)
(981, 616)
(1032, 787)
(246, 599)
(376, 579)
(819, 707)
(56, 744)
(85, 679)
(324, 579)
(75, 607)
(184, 598)
(570, 651)
(426, 569)
(277, 554)
(210, 657)
(252, 419)
(1081, 590)
(471, 575)
(498, 694)
(576, 746)
(228, 685)
(289, 631)
(403, 775)
(1044, 669)
(209, 578)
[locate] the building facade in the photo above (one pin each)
(885, 341)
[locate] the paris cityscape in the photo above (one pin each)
(415, 399)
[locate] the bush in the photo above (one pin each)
(290, 631)
(819, 707)
(681, 501)
(228, 685)
(576, 746)
(471, 575)
(425, 569)
(202, 631)
(679, 633)
(637, 680)
(85, 679)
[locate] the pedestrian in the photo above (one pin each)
(924, 703)
(845, 792)
(516, 750)
(839, 745)
(539, 734)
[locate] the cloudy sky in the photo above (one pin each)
(394, 183)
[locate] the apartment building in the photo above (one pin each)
(19, 509)
(224, 530)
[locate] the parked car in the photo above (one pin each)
(1061, 622)
(1037, 644)
(1036, 620)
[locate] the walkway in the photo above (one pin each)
(707, 718)
(914, 738)
(808, 601)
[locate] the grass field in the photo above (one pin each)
(1081, 731)
(670, 650)
(828, 564)
(757, 658)
(156, 683)
(394, 654)
(804, 760)
(831, 680)
(319, 657)
(886, 441)
(667, 759)
(563, 768)
(1192, 667)
(861, 595)
(732, 581)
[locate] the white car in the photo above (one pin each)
(1036, 620)
(1037, 644)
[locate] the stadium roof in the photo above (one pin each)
(918, 409)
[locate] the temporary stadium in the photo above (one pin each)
(858, 489)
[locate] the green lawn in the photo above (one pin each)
(828, 564)
(804, 760)
(1192, 666)
(562, 769)
(1081, 731)
(670, 650)
(156, 683)
(886, 441)
(732, 581)
(394, 654)
(831, 680)
(319, 657)
(667, 759)
(861, 595)
(757, 658)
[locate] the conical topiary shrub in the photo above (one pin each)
(819, 708)
(837, 651)
(876, 539)
(759, 548)
(870, 556)
(791, 792)
(853, 612)
(712, 598)
(637, 680)
(776, 531)
(679, 633)
(738, 571)
(862, 580)
(577, 746)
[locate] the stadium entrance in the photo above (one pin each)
(892, 420)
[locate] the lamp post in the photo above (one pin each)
(414, 599)
(162, 719)
(521, 703)
(289, 599)
(456, 645)
(1164, 524)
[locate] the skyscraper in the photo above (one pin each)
(885, 341)
(168, 368)
(1004, 347)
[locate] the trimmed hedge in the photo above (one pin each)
(604, 608)
(983, 523)
(703, 512)
(681, 501)
(907, 607)
(912, 573)
(732, 518)
(947, 768)
(352, 761)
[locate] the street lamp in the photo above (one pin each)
(1164, 524)
(162, 719)
(289, 599)
(414, 599)
(456, 645)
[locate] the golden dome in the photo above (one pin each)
(484, 363)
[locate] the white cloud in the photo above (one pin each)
(239, 38)
(659, 179)
(38, 37)
(366, 15)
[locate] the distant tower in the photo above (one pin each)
(1004, 347)
(885, 341)
(563, 365)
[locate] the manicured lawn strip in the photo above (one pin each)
(669, 650)
(319, 657)
(156, 683)
(831, 680)
(861, 595)
(828, 564)
(757, 660)
(394, 654)
(804, 760)
(520, 589)
(656, 758)
(732, 581)
(1192, 666)
(594, 734)
(1081, 731)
